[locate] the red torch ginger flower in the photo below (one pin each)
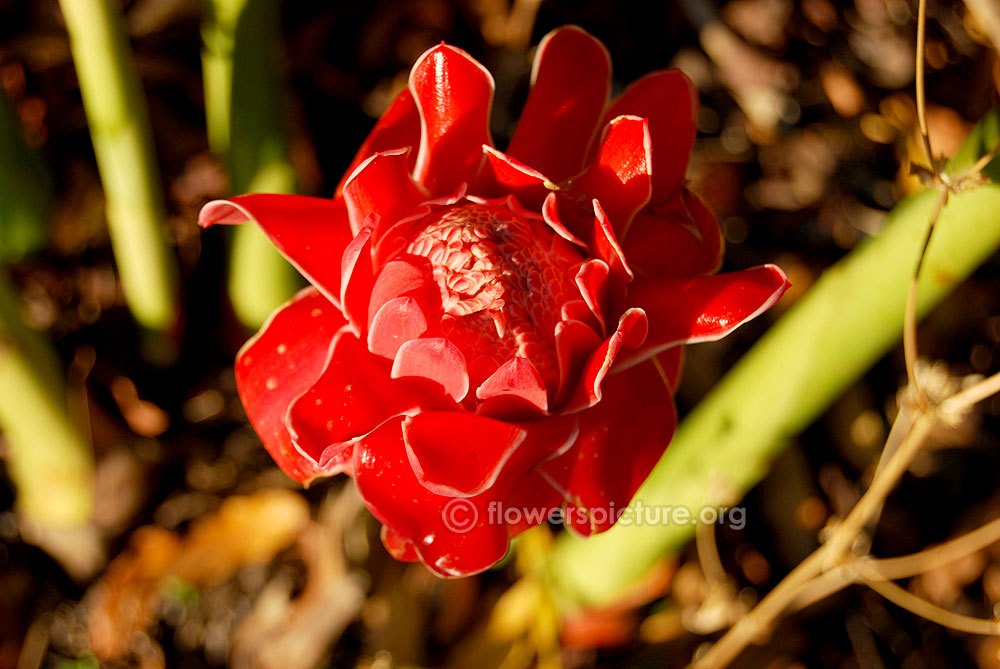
(493, 336)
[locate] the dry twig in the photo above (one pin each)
(843, 560)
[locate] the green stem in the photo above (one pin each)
(26, 187)
(852, 316)
(48, 458)
(119, 129)
(245, 119)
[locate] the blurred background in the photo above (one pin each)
(141, 521)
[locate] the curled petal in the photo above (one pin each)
(411, 277)
(626, 433)
(577, 310)
(592, 282)
(357, 277)
(398, 547)
(280, 363)
(570, 83)
(669, 100)
(393, 239)
(632, 329)
(703, 308)
(459, 454)
(453, 536)
(435, 359)
(551, 214)
(382, 185)
(620, 176)
(398, 128)
(517, 377)
(575, 342)
(353, 396)
(397, 321)
(454, 94)
(606, 247)
(501, 175)
(310, 232)
(674, 239)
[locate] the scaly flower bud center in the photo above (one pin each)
(503, 278)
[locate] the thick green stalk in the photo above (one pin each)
(245, 119)
(119, 129)
(48, 458)
(852, 316)
(25, 189)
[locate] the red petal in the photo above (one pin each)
(570, 83)
(398, 321)
(620, 441)
(631, 332)
(675, 239)
(399, 547)
(352, 397)
(452, 536)
(577, 310)
(454, 94)
(393, 240)
(671, 364)
(357, 278)
(575, 342)
(606, 247)
(382, 185)
(669, 100)
(459, 454)
(501, 175)
(552, 215)
(516, 377)
(703, 308)
(399, 128)
(592, 282)
(310, 232)
(533, 501)
(277, 365)
(435, 359)
(411, 277)
(620, 175)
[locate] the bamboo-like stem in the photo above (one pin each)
(119, 128)
(26, 186)
(47, 456)
(49, 460)
(246, 128)
(849, 318)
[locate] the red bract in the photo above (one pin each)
(492, 336)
